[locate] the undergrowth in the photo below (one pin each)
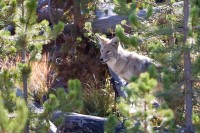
(99, 101)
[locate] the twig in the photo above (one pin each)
(195, 80)
(196, 27)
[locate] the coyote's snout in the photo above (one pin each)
(124, 63)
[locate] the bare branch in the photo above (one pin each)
(50, 13)
(195, 80)
(196, 27)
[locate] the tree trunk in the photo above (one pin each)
(117, 84)
(78, 17)
(25, 85)
(187, 71)
(24, 77)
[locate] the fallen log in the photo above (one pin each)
(103, 25)
(79, 123)
(102, 22)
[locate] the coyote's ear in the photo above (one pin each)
(115, 41)
(101, 39)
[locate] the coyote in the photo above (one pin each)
(124, 63)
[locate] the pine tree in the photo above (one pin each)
(28, 38)
(138, 111)
(16, 124)
(61, 100)
(14, 112)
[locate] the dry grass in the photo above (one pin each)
(9, 63)
(42, 76)
(98, 98)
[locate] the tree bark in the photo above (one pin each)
(187, 71)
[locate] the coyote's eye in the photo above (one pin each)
(115, 43)
(108, 52)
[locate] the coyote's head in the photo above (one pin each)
(109, 49)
